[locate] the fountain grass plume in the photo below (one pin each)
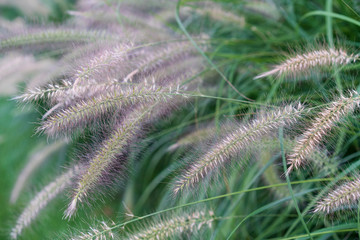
(303, 63)
(163, 56)
(65, 92)
(174, 225)
(115, 57)
(101, 231)
(320, 127)
(128, 59)
(129, 128)
(50, 92)
(83, 86)
(233, 143)
(108, 152)
(51, 36)
(87, 112)
(342, 197)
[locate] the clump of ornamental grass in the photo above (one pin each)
(128, 61)
(123, 70)
(84, 99)
(341, 198)
(125, 131)
(130, 126)
(124, 63)
(235, 143)
(120, 87)
(112, 86)
(90, 96)
(302, 64)
(42, 198)
(320, 127)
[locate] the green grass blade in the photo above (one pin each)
(333, 15)
(281, 138)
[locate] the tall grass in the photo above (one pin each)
(183, 119)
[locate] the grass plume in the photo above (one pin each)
(86, 112)
(228, 147)
(175, 225)
(52, 36)
(320, 127)
(128, 129)
(303, 63)
(102, 231)
(111, 148)
(344, 196)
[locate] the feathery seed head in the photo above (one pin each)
(50, 36)
(101, 63)
(87, 112)
(101, 232)
(129, 127)
(189, 223)
(109, 151)
(52, 91)
(344, 196)
(235, 142)
(303, 63)
(322, 124)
